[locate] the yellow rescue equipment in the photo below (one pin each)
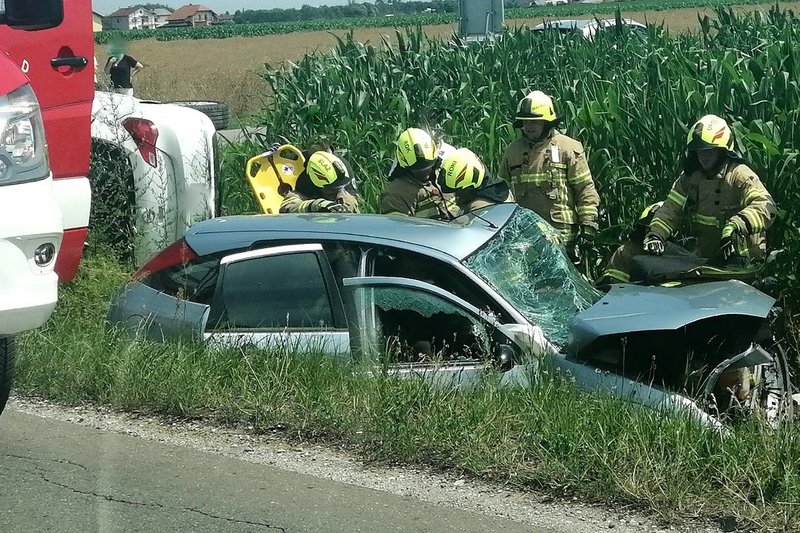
(273, 174)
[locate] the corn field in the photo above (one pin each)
(629, 99)
(422, 19)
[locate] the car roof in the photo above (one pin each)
(458, 238)
(563, 24)
(576, 24)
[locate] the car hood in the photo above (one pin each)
(635, 308)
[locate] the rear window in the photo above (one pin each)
(194, 281)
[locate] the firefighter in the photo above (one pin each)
(618, 268)
(463, 175)
(412, 188)
(549, 174)
(321, 187)
(717, 199)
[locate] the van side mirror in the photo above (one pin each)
(39, 15)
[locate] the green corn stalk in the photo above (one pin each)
(629, 99)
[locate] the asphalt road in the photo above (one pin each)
(59, 476)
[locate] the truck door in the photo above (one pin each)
(59, 62)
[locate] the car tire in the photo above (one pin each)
(8, 355)
(774, 395)
(218, 112)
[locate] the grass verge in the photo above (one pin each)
(548, 436)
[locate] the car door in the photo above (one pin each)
(145, 311)
(411, 327)
(279, 298)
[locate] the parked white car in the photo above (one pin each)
(586, 27)
(167, 154)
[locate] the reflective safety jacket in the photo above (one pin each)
(492, 194)
(294, 202)
(618, 269)
(405, 196)
(701, 205)
(552, 178)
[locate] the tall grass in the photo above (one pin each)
(547, 436)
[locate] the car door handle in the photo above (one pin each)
(74, 61)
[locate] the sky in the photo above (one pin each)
(105, 7)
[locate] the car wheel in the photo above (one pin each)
(773, 390)
(218, 112)
(7, 358)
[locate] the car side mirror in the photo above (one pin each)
(505, 356)
(27, 15)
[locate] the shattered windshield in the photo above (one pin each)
(524, 264)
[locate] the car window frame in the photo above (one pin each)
(367, 314)
(499, 306)
(334, 297)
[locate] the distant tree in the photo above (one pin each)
(154, 6)
(353, 8)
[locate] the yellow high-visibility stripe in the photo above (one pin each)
(539, 177)
(580, 178)
(663, 226)
(587, 210)
(753, 194)
(705, 220)
(754, 218)
(676, 197)
(613, 273)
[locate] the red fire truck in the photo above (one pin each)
(46, 91)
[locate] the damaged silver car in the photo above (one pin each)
(490, 292)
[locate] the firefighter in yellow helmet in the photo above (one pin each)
(463, 175)
(717, 199)
(549, 174)
(412, 188)
(618, 268)
(320, 188)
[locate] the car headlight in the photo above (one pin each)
(23, 149)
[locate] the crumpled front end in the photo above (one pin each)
(709, 342)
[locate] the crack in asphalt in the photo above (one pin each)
(156, 505)
(59, 461)
(234, 520)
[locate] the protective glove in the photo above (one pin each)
(326, 206)
(653, 244)
(336, 207)
(728, 241)
(586, 236)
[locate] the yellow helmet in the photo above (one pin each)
(327, 171)
(415, 150)
(535, 106)
(710, 132)
(461, 169)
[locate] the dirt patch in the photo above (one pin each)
(228, 70)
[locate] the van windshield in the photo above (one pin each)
(526, 266)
